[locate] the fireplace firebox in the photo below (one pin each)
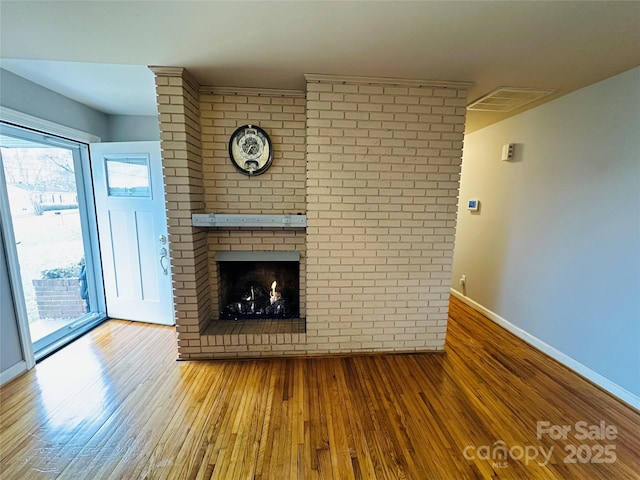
(258, 285)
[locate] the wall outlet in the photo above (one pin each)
(463, 280)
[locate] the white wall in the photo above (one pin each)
(555, 248)
(133, 128)
(27, 97)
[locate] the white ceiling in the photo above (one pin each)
(97, 51)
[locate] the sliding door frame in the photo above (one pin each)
(13, 267)
(79, 141)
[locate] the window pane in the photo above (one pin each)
(128, 177)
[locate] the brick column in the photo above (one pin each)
(383, 165)
(179, 116)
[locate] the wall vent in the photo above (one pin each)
(506, 99)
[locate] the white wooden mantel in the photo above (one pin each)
(222, 220)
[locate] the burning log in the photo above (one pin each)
(257, 302)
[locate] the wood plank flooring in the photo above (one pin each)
(116, 405)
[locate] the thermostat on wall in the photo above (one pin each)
(473, 205)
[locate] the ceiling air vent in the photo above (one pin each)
(506, 99)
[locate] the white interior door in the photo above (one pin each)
(132, 227)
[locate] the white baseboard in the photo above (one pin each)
(12, 372)
(603, 382)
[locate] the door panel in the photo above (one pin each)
(133, 230)
(149, 258)
(121, 257)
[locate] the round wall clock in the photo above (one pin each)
(250, 150)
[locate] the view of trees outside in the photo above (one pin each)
(44, 210)
(45, 175)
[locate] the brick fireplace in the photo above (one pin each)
(373, 163)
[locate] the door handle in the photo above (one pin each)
(163, 257)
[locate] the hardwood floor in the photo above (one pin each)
(115, 404)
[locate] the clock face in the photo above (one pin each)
(250, 150)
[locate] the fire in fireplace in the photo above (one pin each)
(258, 289)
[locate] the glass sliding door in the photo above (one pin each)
(54, 251)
